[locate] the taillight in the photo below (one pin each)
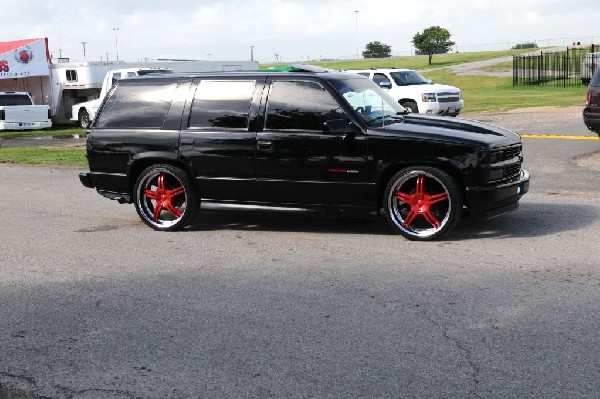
(587, 98)
(1, 114)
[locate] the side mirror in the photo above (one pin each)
(385, 85)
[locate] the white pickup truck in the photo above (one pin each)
(83, 113)
(17, 112)
(416, 93)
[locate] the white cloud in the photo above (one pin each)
(295, 29)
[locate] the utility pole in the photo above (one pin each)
(83, 44)
(116, 42)
(356, 13)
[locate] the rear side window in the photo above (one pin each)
(15, 99)
(223, 104)
(137, 105)
(596, 79)
(380, 78)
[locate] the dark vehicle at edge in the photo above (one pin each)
(591, 112)
(310, 140)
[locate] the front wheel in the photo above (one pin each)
(83, 120)
(165, 198)
(422, 203)
(411, 106)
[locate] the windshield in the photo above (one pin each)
(372, 104)
(409, 78)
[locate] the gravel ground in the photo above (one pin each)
(518, 119)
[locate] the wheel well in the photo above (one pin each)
(406, 100)
(138, 167)
(392, 170)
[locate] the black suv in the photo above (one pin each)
(303, 140)
(591, 113)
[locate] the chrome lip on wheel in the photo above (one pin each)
(419, 204)
(162, 199)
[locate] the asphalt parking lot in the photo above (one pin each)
(93, 304)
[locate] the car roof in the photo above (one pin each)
(303, 72)
(380, 70)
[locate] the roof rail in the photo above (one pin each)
(299, 68)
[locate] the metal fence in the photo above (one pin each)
(564, 68)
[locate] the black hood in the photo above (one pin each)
(450, 129)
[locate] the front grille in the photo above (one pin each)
(448, 99)
(512, 172)
(511, 152)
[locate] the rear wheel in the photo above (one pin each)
(165, 198)
(83, 120)
(422, 203)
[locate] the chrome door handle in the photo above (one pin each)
(265, 145)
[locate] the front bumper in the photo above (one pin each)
(492, 201)
(86, 180)
(441, 108)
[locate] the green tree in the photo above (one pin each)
(525, 45)
(433, 40)
(377, 50)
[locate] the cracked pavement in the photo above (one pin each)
(93, 304)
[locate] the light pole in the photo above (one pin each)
(116, 42)
(356, 13)
(251, 53)
(83, 44)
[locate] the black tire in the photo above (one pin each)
(83, 119)
(165, 198)
(422, 203)
(411, 106)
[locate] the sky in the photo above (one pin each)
(288, 30)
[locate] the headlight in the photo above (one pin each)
(428, 97)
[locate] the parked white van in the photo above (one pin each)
(416, 93)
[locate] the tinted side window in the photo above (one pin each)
(301, 106)
(224, 104)
(380, 78)
(596, 79)
(137, 105)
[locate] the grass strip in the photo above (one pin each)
(44, 155)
